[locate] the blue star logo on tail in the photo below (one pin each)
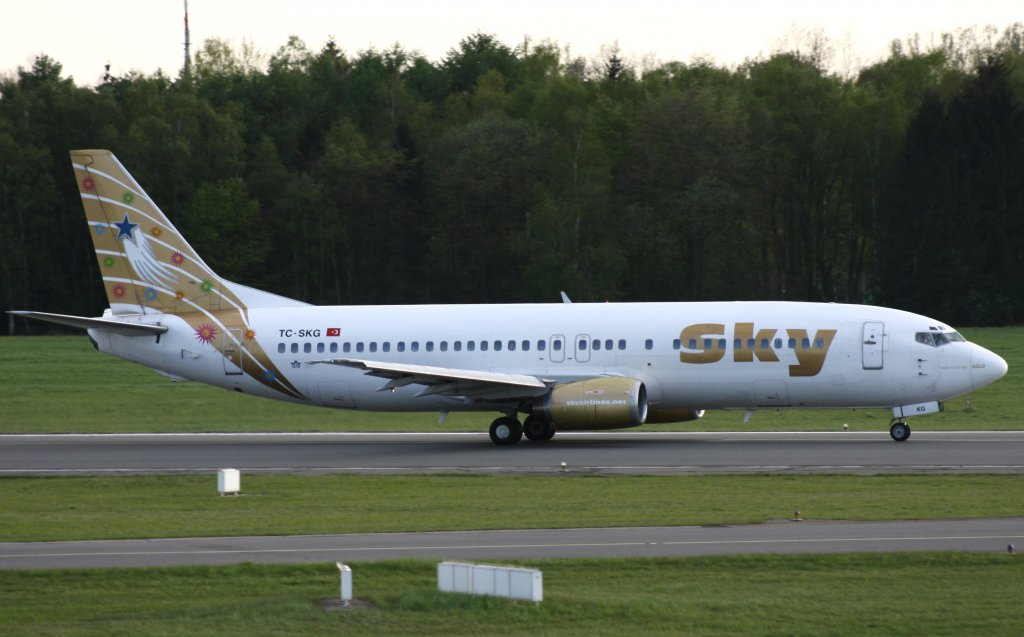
(125, 227)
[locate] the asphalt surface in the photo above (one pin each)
(992, 535)
(632, 452)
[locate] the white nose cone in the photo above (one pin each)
(986, 367)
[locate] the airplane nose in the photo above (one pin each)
(986, 367)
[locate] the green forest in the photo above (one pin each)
(508, 173)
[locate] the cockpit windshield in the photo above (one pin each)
(938, 339)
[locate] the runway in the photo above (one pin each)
(631, 452)
(990, 535)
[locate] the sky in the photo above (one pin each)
(146, 35)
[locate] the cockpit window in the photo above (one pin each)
(938, 339)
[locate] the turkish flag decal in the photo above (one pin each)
(334, 331)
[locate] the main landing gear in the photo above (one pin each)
(899, 431)
(508, 431)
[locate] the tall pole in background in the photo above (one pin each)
(188, 54)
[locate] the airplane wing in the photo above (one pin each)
(448, 381)
(121, 327)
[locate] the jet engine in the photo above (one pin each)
(595, 403)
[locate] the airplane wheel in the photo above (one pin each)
(538, 429)
(899, 431)
(506, 431)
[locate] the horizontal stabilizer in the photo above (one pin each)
(122, 327)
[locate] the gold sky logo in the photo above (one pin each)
(706, 343)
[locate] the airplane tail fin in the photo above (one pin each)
(146, 264)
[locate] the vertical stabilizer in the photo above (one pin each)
(149, 268)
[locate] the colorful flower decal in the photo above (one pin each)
(206, 286)
(156, 232)
(179, 296)
(150, 294)
(109, 262)
(128, 197)
(101, 229)
(205, 333)
(89, 184)
(250, 334)
(118, 291)
(177, 258)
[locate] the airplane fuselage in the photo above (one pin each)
(690, 356)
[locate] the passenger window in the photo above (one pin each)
(792, 343)
(334, 348)
(414, 346)
(806, 343)
(676, 343)
(511, 346)
(596, 345)
(778, 343)
(458, 346)
(582, 345)
(359, 346)
(347, 347)
(609, 344)
(401, 346)
(497, 346)
(470, 346)
(430, 346)
(373, 346)
(386, 346)
(751, 344)
(295, 348)
(556, 345)
(319, 348)
(444, 346)
(764, 343)
(737, 344)
(541, 345)
(648, 344)
(622, 343)
(483, 346)
(307, 347)
(819, 343)
(280, 348)
(721, 344)
(526, 345)
(692, 344)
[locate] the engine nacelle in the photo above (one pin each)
(595, 403)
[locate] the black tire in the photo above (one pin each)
(538, 429)
(506, 431)
(899, 431)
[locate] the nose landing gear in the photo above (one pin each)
(899, 431)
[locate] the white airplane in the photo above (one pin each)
(565, 366)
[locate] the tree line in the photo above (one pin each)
(507, 174)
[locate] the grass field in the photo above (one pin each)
(52, 384)
(41, 509)
(917, 594)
